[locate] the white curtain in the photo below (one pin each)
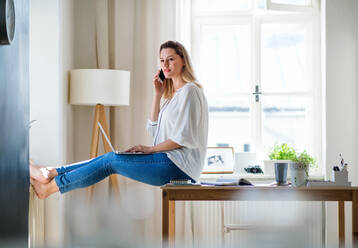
(127, 36)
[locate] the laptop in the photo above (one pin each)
(110, 144)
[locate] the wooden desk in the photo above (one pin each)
(257, 193)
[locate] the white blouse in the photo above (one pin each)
(184, 120)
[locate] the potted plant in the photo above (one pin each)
(281, 155)
(300, 167)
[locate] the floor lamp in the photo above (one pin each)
(100, 88)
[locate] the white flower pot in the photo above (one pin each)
(298, 175)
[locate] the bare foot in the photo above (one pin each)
(40, 174)
(43, 190)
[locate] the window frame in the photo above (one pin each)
(256, 18)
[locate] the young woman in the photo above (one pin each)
(178, 123)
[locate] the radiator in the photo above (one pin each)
(257, 224)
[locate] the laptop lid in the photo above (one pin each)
(105, 136)
(110, 144)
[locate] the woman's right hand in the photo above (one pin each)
(158, 86)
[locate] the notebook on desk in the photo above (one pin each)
(110, 144)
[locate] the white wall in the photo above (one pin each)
(46, 141)
(341, 75)
(342, 84)
(51, 56)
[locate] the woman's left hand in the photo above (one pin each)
(141, 149)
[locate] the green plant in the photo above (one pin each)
(282, 152)
(306, 160)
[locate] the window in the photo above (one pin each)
(259, 63)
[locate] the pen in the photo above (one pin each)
(342, 160)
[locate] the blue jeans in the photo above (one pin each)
(154, 169)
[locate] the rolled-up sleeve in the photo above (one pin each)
(187, 124)
(152, 127)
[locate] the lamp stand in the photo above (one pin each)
(100, 116)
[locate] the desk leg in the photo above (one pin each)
(172, 224)
(168, 218)
(341, 232)
(355, 218)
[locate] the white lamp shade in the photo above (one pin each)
(99, 86)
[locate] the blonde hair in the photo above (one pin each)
(187, 71)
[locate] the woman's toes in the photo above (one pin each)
(39, 173)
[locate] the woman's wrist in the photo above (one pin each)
(153, 149)
(157, 96)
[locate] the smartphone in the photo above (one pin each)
(161, 76)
